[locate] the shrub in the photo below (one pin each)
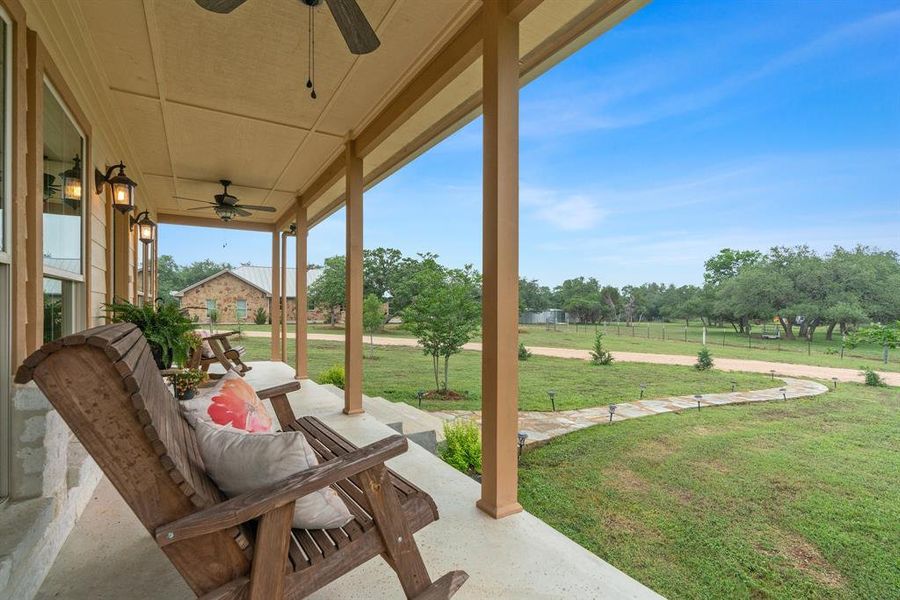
(462, 448)
(260, 317)
(704, 360)
(333, 375)
(524, 353)
(599, 354)
(872, 377)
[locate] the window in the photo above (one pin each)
(210, 307)
(63, 223)
(241, 310)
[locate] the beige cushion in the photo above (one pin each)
(232, 401)
(241, 462)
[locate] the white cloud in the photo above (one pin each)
(561, 210)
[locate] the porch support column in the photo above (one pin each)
(302, 368)
(275, 310)
(353, 334)
(499, 361)
(284, 305)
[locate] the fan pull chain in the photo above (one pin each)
(311, 48)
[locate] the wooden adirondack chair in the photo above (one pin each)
(105, 385)
(223, 353)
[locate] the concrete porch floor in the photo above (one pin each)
(109, 555)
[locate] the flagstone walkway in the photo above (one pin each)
(542, 426)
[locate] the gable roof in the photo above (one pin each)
(258, 277)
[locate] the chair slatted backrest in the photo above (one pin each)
(106, 385)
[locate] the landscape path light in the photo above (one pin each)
(643, 386)
(552, 394)
(698, 398)
(521, 437)
(420, 394)
(733, 385)
(612, 411)
(835, 380)
(783, 393)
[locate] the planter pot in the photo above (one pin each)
(187, 394)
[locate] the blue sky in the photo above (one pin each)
(690, 127)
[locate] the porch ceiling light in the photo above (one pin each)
(122, 187)
(145, 226)
(72, 181)
(225, 212)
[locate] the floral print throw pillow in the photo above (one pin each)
(230, 402)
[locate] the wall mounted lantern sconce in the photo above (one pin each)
(122, 187)
(72, 181)
(145, 226)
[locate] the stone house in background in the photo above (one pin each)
(236, 294)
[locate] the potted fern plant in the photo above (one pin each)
(164, 325)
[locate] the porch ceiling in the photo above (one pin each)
(203, 97)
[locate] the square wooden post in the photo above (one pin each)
(302, 368)
(275, 310)
(284, 306)
(499, 361)
(353, 334)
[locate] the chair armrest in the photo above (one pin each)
(251, 505)
(278, 390)
(220, 336)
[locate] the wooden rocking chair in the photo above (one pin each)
(106, 386)
(223, 353)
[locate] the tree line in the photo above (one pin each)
(804, 290)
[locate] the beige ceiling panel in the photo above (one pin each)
(254, 60)
(157, 191)
(407, 33)
(119, 32)
(316, 150)
(211, 146)
(143, 118)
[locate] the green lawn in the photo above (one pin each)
(669, 338)
(397, 373)
(774, 500)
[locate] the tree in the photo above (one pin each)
(444, 314)
(174, 277)
(886, 336)
(533, 296)
(387, 270)
(727, 264)
(327, 291)
(373, 317)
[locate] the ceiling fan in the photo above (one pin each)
(357, 32)
(226, 206)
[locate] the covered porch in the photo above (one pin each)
(185, 99)
(109, 554)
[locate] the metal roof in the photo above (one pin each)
(260, 278)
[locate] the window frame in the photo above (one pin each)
(208, 301)
(237, 309)
(6, 254)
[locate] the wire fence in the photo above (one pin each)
(761, 337)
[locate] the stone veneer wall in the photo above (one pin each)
(226, 290)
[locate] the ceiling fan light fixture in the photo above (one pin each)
(225, 212)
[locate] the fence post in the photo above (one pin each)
(685, 334)
(704, 335)
(664, 333)
(723, 337)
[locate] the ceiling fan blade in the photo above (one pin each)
(255, 207)
(220, 6)
(242, 212)
(201, 208)
(194, 200)
(357, 32)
